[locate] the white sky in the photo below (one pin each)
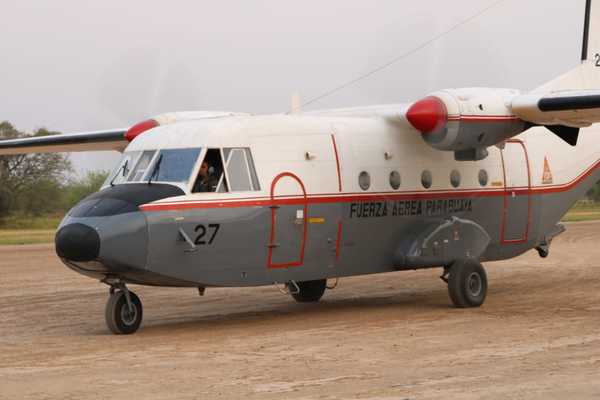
(77, 65)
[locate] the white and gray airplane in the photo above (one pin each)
(215, 199)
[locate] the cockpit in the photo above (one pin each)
(194, 170)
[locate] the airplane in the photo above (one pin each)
(222, 199)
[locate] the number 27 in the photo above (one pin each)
(202, 230)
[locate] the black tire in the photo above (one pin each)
(310, 291)
(118, 318)
(467, 284)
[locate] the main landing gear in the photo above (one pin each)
(123, 310)
(307, 291)
(467, 283)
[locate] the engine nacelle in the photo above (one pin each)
(466, 121)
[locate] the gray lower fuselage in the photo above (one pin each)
(268, 242)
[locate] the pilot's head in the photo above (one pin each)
(204, 169)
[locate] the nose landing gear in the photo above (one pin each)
(123, 311)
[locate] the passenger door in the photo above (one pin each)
(304, 216)
(289, 222)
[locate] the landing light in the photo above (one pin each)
(427, 115)
(140, 128)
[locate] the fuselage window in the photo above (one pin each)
(455, 178)
(426, 179)
(483, 177)
(395, 180)
(364, 180)
(142, 165)
(211, 176)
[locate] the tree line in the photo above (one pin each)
(40, 184)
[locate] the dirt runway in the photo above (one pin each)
(391, 336)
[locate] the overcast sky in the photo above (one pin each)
(76, 65)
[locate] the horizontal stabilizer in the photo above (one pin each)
(566, 133)
(86, 141)
(575, 109)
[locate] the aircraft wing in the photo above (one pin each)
(85, 141)
(575, 109)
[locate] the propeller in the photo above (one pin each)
(142, 83)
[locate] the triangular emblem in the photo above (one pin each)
(547, 176)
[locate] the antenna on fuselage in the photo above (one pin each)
(296, 103)
(402, 56)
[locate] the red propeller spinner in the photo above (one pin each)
(427, 115)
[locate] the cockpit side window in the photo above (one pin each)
(238, 170)
(253, 175)
(123, 169)
(236, 173)
(211, 176)
(142, 165)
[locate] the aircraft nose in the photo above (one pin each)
(77, 242)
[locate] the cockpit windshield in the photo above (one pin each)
(167, 165)
(175, 165)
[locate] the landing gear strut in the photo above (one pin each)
(467, 283)
(123, 310)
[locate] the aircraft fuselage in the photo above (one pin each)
(330, 196)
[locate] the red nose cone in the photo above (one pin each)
(140, 128)
(427, 115)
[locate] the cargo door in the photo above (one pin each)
(517, 193)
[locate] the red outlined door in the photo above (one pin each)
(517, 193)
(289, 214)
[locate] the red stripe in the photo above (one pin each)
(319, 200)
(567, 186)
(356, 197)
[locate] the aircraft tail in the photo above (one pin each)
(587, 75)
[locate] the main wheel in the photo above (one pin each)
(467, 284)
(310, 291)
(122, 320)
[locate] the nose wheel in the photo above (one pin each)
(123, 311)
(467, 283)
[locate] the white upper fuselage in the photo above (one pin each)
(377, 140)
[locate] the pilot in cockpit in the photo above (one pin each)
(207, 180)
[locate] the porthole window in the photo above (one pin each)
(483, 177)
(426, 179)
(364, 180)
(455, 178)
(395, 180)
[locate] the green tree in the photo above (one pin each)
(30, 183)
(594, 193)
(77, 189)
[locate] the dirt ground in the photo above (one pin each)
(390, 336)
